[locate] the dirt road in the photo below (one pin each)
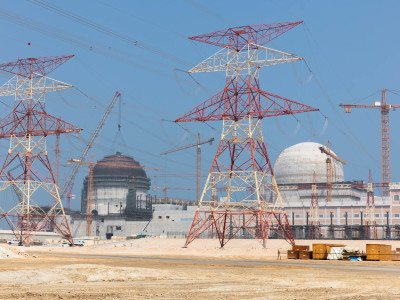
(114, 276)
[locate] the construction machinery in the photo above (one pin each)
(384, 108)
(330, 171)
(370, 223)
(89, 145)
(70, 196)
(165, 188)
(314, 230)
(198, 160)
(91, 164)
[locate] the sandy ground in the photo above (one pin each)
(161, 269)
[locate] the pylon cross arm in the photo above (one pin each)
(42, 124)
(23, 86)
(249, 101)
(250, 57)
(41, 66)
(237, 37)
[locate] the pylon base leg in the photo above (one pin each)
(227, 225)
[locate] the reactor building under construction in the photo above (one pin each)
(122, 205)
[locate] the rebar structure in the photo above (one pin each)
(314, 229)
(370, 222)
(240, 196)
(27, 127)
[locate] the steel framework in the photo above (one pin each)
(240, 195)
(27, 127)
(370, 222)
(384, 108)
(314, 229)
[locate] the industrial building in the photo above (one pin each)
(345, 214)
(119, 185)
(122, 205)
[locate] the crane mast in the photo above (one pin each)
(198, 160)
(330, 171)
(89, 145)
(384, 109)
(314, 230)
(370, 223)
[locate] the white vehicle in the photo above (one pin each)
(80, 243)
(65, 244)
(13, 242)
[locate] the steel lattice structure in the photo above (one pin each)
(384, 108)
(370, 222)
(314, 229)
(240, 195)
(27, 127)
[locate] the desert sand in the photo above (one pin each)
(162, 269)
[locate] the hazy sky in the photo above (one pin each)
(140, 48)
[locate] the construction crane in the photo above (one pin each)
(198, 160)
(89, 145)
(165, 188)
(330, 172)
(314, 230)
(370, 223)
(91, 164)
(70, 196)
(384, 108)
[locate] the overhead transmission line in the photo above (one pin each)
(105, 30)
(83, 42)
(354, 139)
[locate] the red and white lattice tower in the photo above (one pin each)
(27, 127)
(314, 229)
(240, 195)
(370, 222)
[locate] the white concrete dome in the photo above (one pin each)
(297, 164)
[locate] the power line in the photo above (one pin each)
(104, 29)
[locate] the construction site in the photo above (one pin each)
(180, 185)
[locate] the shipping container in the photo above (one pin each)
(293, 254)
(305, 254)
(379, 252)
(301, 247)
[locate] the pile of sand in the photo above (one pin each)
(87, 273)
(7, 251)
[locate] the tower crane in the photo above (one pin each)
(370, 223)
(165, 188)
(330, 172)
(384, 108)
(70, 196)
(314, 224)
(90, 185)
(89, 145)
(198, 160)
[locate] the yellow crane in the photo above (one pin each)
(330, 172)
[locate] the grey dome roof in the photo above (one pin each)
(297, 164)
(112, 167)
